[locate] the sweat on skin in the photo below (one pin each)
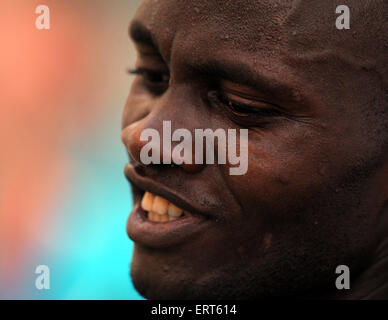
(315, 195)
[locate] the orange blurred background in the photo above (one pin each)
(61, 95)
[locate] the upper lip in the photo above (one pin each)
(147, 184)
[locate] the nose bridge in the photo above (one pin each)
(178, 105)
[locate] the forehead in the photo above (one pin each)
(267, 25)
(240, 25)
(225, 14)
(270, 32)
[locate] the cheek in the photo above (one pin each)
(284, 175)
(299, 189)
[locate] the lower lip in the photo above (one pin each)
(162, 235)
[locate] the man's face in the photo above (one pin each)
(309, 199)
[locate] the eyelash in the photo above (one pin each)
(154, 82)
(146, 73)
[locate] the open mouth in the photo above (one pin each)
(161, 217)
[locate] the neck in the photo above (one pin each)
(372, 283)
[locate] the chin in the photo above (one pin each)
(162, 276)
(155, 281)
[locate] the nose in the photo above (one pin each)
(152, 136)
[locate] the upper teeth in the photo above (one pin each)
(160, 209)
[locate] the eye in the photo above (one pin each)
(249, 108)
(155, 81)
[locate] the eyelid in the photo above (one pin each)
(255, 119)
(249, 95)
(251, 103)
(241, 94)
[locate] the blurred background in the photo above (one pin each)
(64, 200)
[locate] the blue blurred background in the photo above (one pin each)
(64, 200)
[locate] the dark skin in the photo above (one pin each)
(314, 100)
